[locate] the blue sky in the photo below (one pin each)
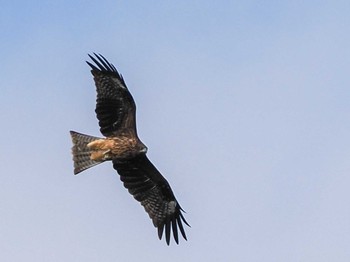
(244, 106)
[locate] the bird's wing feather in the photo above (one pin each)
(115, 107)
(153, 191)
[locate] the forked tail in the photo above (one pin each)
(81, 153)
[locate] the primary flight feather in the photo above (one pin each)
(116, 113)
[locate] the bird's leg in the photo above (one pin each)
(100, 149)
(100, 155)
(97, 144)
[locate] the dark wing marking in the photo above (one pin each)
(152, 190)
(115, 107)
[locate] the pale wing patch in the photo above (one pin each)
(119, 83)
(171, 207)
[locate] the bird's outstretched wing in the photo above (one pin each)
(115, 107)
(152, 190)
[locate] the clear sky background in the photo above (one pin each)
(244, 106)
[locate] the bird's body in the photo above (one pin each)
(116, 112)
(119, 147)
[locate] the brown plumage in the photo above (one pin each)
(116, 113)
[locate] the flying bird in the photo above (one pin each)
(116, 113)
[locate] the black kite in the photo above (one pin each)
(115, 110)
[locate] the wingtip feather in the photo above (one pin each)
(174, 226)
(167, 232)
(182, 230)
(93, 67)
(160, 231)
(184, 220)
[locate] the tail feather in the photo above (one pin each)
(81, 153)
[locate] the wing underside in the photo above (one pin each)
(115, 107)
(152, 190)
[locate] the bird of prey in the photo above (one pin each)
(116, 113)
